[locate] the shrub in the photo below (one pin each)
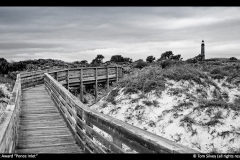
(169, 63)
(184, 72)
(150, 85)
(151, 124)
(150, 59)
(219, 103)
(218, 115)
(143, 80)
(235, 107)
(216, 71)
(140, 64)
(187, 119)
(155, 103)
(213, 122)
(217, 76)
(176, 91)
(104, 105)
(6, 80)
(183, 104)
(139, 107)
(130, 90)
(216, 63)
(1, 93)
(237, 101)
(148, 103)
(233, 59)
(165, 64)
(217, 94)
(213, 103)
(111, 96)
(225, 95)
(191, 60)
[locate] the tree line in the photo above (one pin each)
(42, 64)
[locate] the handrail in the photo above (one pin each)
(29, 79)
(83, 122)
(9, 120)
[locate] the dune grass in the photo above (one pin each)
(154, 78)
(8, 81)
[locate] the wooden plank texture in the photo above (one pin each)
(9, 120)
(42, 129)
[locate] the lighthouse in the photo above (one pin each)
(203, 50)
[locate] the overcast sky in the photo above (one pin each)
(81, 33)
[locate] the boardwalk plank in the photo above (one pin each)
(52, 149)
(42, 128)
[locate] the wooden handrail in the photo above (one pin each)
(29, 79)
(9, 120)
(83, 122)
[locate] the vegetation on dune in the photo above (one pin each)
(8, 81)
(150, 59)
(155, 76)
(2, 93)
(144, 76)
(111, 96)
(144, 80)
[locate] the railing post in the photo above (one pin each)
(121, 74)
(67, 79)
(117, 142)
(56, 76)
(117, 74)
(96, 84)
(107, 80)
(81, 85)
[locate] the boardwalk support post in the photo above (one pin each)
(67, 79)
(81, 85)
(56, 75)
(96, 84)
(107, 80)
(117, 74)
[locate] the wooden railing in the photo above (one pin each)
(74, 76)
(77, 77)
(30, 79)
(9, 120)
(85, 124)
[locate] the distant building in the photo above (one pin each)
(203, 50)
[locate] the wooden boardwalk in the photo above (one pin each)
(42, 128)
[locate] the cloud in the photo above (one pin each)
(78, 33)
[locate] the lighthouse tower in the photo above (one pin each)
(203, 50)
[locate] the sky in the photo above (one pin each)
(81, 33)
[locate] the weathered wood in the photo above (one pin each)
(89, 142)
(96, 85)
(66, 148)
(107, 80)
(9, 120)
(80, 76)
(81, 85)
(117, 141)
(41, 126)
(117, 74)
(108, 144)
(68, 79)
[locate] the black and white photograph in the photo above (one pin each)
(120, 79)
